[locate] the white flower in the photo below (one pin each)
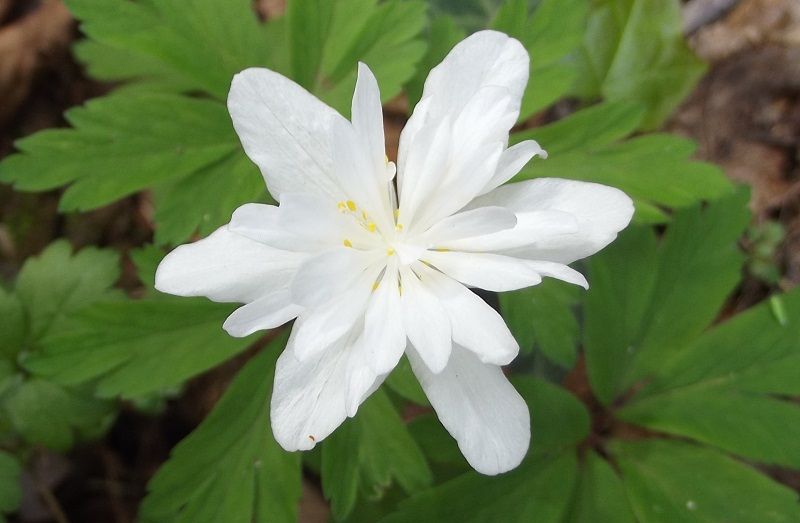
(371, 272)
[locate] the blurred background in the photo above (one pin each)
(744, 114)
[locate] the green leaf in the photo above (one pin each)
(443, 34)
(731, 369)
(551, 35)
(537, 491)
(600, 495)
(192, 44)
(230, 468)
(403, 382)
(757, 427)
(646, 302)
(205, 199)
(543, 316)
(655, 170)
(121, 144)
(367, 453)
(635, 50)
(12, 336)
(752, 351)
(327, 39)
(57, 283)
(45, 413)
(10, 489)
(669, 481)
(133, 348)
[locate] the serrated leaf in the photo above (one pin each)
(731, 369)
(600, 494)
(635, 50)
(543, 316)
(327, 39)
(669, 481)
(193, 44)
(44, 413)
(205, 199)
(646, 302)
(763, 429)
(443, 34)
(136, 347)
(57, 283)
(121, 144)
(10, 484)
(538, 491)
(655, 170)
(230, 468)
(368, 453)
(550, 34)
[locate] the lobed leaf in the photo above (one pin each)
(230, 468)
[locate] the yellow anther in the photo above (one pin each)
(390, 252)
(351, 205)
(399, 226)
(386, 159)
(364, 215)
(442, 249)
(375, 286)
(371, 227)
(396, 213)
(341, 206)
(347, 243)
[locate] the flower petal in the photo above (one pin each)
(426, 322)
(367, 117)
(285, 130)
(309, 398)
(322, 324)
(491, 272)
(384, 336)
(226, 267)
(468, 224)
(476, 326)
(330, 274)
(598, 211)
(512, 161)
(273, 310)
(480, 408)
(485, 58)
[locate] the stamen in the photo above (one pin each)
(390, 252)
(341, 206)
(351, 205)
(376, 285)
(347, 243)
(371, 227)
(399, 226)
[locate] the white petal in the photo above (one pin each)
(426, 322)
(328, 275)
(486, 271)
(309, 399)
(365, 187)
(367, 117)
(560, 272)
(468, 224)
(285, 130)
(480, 408)
(476, 326)
(321, 325)
(512, 161)
(531, 227)
(384, 337)
(273, 310)
(226, 267)
(485, 58)
(600, 212)
(261, 223)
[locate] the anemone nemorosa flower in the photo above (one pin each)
(374, 266)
